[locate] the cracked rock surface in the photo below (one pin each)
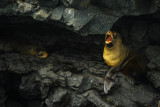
(58, 81)
(72, 76)
(73, 73)
(81, 16)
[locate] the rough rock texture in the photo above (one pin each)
(58, 79)
(84, 21)
(154, 33)
(72, 75)
(82, 16)
(128, 7)
(153, 53)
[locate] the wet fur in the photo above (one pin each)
(123, 59)
(21, 46)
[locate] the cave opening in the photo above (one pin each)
(58, 42)
(47, 34)
(73, 59)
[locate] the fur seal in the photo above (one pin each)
(121, 58)
(21, 46)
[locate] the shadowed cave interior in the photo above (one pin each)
(70, 54)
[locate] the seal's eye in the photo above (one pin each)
(41, 53)
(115, 35)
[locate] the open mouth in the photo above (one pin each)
(108, 39)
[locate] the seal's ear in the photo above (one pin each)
(115, 35)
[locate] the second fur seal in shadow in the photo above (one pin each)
(22, 46)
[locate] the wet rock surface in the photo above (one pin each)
(73, 19)
(72, 76)
(81, 16)
(154, 65)
(73, 73)
(142, 93)
(153, 33)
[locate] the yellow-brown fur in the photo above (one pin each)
(115, 55)
(21, 46)
(121, 58)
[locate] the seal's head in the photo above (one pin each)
(111, 38)
(37, 51)
(41, 53)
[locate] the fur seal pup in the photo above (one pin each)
(121, 58)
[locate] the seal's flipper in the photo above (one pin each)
(109, 80)
(108, 84)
